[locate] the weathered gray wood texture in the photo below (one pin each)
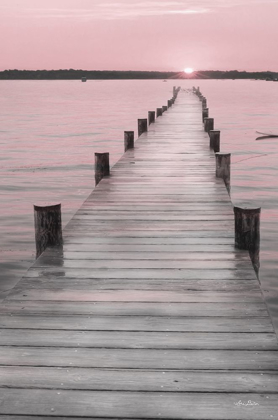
(148, 311)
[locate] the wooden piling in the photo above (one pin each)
(204, 102)
(151, 117)
(164, 108)
(223, 165)
(102, 167)
(169, 103)
(214, 136)
(247, 228)
(48, 227)
(158, 112)
(142, 126)
(205, 113)
(208, 124)
(128, 140)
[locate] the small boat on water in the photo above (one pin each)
(266, 134)
(84, 79)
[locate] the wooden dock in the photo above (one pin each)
(148, 312)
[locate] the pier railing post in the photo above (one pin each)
(102, 167)
(223, 168)
(205, 113)
(142, 126)
(223, 165)
(151, 117)
(158, 112)
(247, 228)
(214, 140)
(208, 124)
(128, 140)
(48, 227)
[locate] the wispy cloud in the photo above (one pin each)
(124, 9)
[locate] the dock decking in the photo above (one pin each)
(148, 312)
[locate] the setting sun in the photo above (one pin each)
(188, 70)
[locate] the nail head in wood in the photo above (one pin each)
(48, 227)
(102, 167)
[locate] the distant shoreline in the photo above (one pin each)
(72, 74)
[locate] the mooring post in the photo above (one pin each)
(208, 124)
(205, 113)
(128, 140)
(214, 140)
(48, 227)
(223, 165)
(142, 126)
(102, 167)
(151, 117)
(158, 112)
(204, 102)
(169, 103)
(164, 108)
(247, 228)
(174, 90)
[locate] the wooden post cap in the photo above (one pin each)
(247, 227)
(214, 140)
(208, 124)
(223, 163)
(205, 113)
(128, 140)
(158, 112)
(102, 167)
(48, 227)
(142, 126)
(151, 117)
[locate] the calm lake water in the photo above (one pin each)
(49, 131)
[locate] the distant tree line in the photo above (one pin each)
(113, 74)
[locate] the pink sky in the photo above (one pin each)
(139, 35)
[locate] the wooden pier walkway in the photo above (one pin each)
(148, 312)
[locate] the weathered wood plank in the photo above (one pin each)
(132, 339)
(218, 309)
(132, 273)
(137, 323)
(126, 380)
(45, 261)
(158, 256)
(138, 284)
(139, 358)
(145, 405)
(134, 296)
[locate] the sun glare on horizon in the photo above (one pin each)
(188, 70)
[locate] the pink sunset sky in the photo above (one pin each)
(139, 35)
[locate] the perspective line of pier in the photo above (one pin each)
(147, 311)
